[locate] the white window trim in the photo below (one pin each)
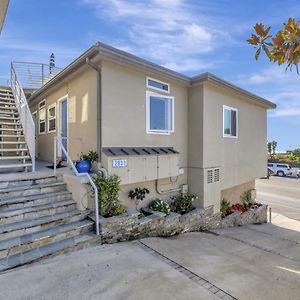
(52, 118)
(155, 88)
(153, 131)
(40, 133)
(40, 107)
(237, 122)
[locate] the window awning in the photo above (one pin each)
(121, 151)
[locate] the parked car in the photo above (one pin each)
(280, 169)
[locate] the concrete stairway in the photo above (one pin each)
(38, 218)
(13, 148)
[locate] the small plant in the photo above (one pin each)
(248, 199)
(160, 205)
(108, 195)
(91, 156)
(183, 203)
(138, 194)
(225, 207)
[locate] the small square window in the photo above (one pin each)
(160, 113)
(230, 121)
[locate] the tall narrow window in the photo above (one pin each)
(42, 121)
(52, 118)
(160, 113)
(230, 122)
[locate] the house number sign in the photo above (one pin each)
(119, 163)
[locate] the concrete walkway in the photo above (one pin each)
(252, 262)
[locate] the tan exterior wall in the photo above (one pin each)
(241, 159)
(124, 121)
(235, 194)
(81, 92)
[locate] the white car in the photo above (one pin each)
(280, 169)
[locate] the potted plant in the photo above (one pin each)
(84, 164)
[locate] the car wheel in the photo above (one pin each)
(280, 173)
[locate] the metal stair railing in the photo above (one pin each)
(25, 115)
(58, 142)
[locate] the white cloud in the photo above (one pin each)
(169, 32)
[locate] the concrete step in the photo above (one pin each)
(41, 238)
(14, 157)
(33, 189)
(28, 226)
(4, 112)
(10, 123)
(8, 118)
(10, 108)
(27, 179)
(11, 136)
(12, 142)
(11, 129)
(7, 100)
(25, 201)
(31, 212)
(15, 166)
(64, 246)
(12, 149)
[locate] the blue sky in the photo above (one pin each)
(188, 36)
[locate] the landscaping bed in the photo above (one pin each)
(162, 219)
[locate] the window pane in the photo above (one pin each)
(233, 123)
(52, 112)
(227, 121)
(42, 115)
(52, 125)
(158, 85)
(160, 113)
(42, 127)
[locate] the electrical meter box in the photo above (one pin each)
(139, 164)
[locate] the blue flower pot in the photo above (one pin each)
(83, 166)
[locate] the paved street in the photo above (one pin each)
(282, 194)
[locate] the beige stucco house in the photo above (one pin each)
(154, 127)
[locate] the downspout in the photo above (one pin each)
(99, 109)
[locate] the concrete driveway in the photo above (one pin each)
(282, 194)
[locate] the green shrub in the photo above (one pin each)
(91, 156)
(160, 205)
(183, 203)
(108, 195)
(225, 207)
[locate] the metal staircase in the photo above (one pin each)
(14, 154)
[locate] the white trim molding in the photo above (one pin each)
(228, 108)
(148, 125)
(53, 105)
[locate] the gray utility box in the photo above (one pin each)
(138, 164)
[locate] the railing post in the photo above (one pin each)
(55, 149)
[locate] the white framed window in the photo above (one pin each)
(230, 122)
(159, 113)
(42, 104)
(157, 85)
(52, 118)
(42, 121)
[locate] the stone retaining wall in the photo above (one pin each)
(128, 226)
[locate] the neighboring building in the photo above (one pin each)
(3, 11)
(154, 127)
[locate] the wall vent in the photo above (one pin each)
(216, 175)
(209, 176)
